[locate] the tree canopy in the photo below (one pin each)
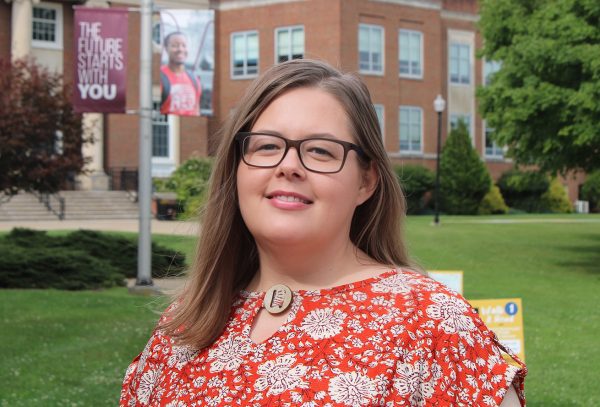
(544, 102)
(40, 134)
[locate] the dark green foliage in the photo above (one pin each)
(190, 183)
(464, 179)
(493, 203)
(591, 190)
(58, 268)
(416, 181)
(523, 190)
(543, 102)
(80, 260)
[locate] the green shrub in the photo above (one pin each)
(52, 261)
(416, 181)
(123, 252)
(58, 268)
(523, 190)
(591, 190)
(190, 183)
(555, 199)
(493, 203)
(464, 178)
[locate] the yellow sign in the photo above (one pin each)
(451, 279)
(505, 318)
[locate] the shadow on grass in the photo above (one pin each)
(583, 257)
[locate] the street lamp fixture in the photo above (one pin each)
(439, 104)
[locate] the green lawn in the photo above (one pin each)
(71, 348)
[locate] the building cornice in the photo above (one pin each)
(239, 4)
(457, 15)
(427, 4)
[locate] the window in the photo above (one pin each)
(455, 118)
(410, 51)
(460, 63)
(379, 109)
(47, 26)
(289, 43)
(370, 49)
(490, 68)
(160, 133)
(492, 150)
(244, 54)
(411, 129)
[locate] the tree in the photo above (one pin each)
(464, 178)
(544, 102)
(40, 134)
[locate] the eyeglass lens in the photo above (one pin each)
(322, 155)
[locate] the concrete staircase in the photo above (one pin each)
(79, 205)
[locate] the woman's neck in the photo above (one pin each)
(312, 268)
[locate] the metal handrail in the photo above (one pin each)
(45, 198)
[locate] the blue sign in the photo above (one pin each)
(511, 308)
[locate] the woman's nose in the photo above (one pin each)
(291, 165)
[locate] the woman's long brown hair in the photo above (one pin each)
(226, 256)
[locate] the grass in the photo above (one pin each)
(71, 348)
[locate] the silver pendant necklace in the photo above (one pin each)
(277, 299)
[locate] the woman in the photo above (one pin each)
(302, 292)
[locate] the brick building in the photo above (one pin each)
(407, 52)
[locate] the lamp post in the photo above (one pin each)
(438, 104)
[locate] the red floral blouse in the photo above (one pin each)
(399, 339)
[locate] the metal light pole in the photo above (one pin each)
(144, 274)
(438, 104)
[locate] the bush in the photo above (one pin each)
(190, 183)
(80, 260)
(555, 199)
(591, 190)
(464, 178)
(416, 181)
(523, 190)
(493, 203)
(55, 268)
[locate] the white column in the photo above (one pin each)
(95, 179)
(21, 25)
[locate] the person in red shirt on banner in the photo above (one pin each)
(180, 88)
(302, 293)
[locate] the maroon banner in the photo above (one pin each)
(100, 59)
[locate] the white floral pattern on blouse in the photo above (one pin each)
(396, 339)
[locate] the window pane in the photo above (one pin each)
(283, 42)
(298, 41)
(363, 39)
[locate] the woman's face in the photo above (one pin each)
(289, 204)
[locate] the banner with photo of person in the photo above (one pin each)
(100, 60)
(187, 62)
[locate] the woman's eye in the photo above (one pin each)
(320, 151)
(267, 147)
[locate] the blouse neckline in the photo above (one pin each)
(326, 291)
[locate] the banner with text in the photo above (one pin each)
(100, 59)
(187, 62)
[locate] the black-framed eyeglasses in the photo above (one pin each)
(317, 154)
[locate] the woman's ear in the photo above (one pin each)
(370, 180)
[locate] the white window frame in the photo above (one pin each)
(370, 70)
(289, 29)
(244, 75)
(469, 63)
(410, 151)
(58, 35)
(380, 111)
(164, 166)
(421, 55)
(497, 151)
